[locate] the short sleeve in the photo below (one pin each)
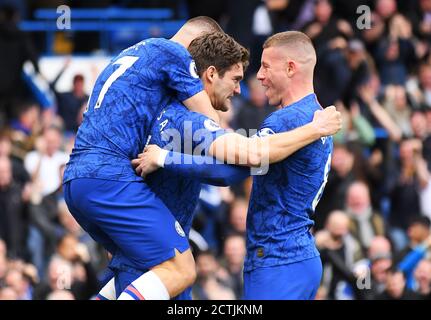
(180, 72)
(268, 127)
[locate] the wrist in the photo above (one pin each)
(317, 131)
(161, 158)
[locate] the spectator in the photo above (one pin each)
(16, 50)
(421, 131)
(69, 269)
(405, 192)
(276, 16)
(356, 128)
(380, 261)
(212, 281)
(234, 253)
(396, 288)
(341, 175)
(252, 112)
(365, 222)
(16, 280)
(69, 104)
(422, 276)
(419, 17)
(418, 232)
(69, 225)
(420, 90)
(329, 36)
(19, 173)
(24, 129)
(339, 251)
(59, 276)
(376, 112)
(45, 229)
(238, 215)
(12, 227)
(45, 162)
(397, 106)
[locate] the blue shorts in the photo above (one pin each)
(294, 281)
(127, 219)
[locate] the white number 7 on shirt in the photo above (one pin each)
(125, 63)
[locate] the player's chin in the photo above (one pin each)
(225, 106)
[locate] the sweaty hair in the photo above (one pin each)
(206, 24)
(219, 50)
(298, 45)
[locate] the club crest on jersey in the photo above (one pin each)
(211, 125)
(193, 70)
(179, 229)
(265, 132)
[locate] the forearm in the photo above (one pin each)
(259, 151)
(284, 144)
(385, 120)
(205, 169)
(365, 130)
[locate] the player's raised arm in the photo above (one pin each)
(240, 150)
(237, 149)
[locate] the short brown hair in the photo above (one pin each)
(219, 50)
(205, 23)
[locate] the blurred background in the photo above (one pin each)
(373, 221)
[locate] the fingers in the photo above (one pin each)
(136, 162)
(139, 170)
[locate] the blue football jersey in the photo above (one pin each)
(178, 129)
(283, 200)
(126, 97)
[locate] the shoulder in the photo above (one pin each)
(173, 111)
(271, 124)
(169, 47)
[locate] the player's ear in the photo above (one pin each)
(211, 73)
(291, 68)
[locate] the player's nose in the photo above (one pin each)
(237, 89)
(260, 76)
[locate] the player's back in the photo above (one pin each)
(283, 200)
(180, 130)
(127, 95)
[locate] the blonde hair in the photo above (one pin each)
(299, 46)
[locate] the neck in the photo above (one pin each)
(296, 93)
(184, 37)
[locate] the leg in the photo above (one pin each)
(145, 233)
